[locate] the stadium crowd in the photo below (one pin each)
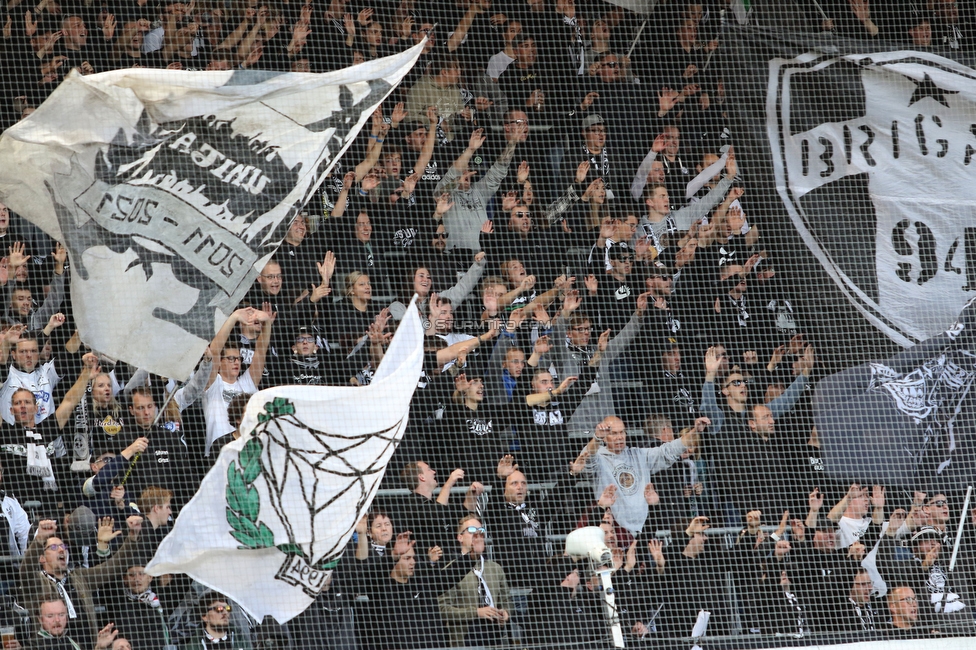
(609, 341)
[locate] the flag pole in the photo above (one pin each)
(962, 520)
(135, 459)
(636, 38)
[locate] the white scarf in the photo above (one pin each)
(480, 572)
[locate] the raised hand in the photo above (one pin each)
(398, 115)
(60, 254)
(477, 139)
(878, 496)
(609, 496)
(56, 320)
(651, 497)
(571, 301)
(582, 170)
(591, 284)
(815, 500)
(443, 204)
(564, 386)
(16, 256)
(506, 466)
(403, 544)
(523, 172)
(666, 100)
(106, 530)
(713, 361)
(541, 346)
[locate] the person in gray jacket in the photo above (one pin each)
(470, 198)
(660, 221)
(572, 349)
(626, 471)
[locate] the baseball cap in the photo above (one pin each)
(591, 120)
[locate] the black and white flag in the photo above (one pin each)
(873, 157)
(171, 189)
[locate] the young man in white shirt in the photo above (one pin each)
(226, 380)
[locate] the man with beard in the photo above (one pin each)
(45, 569)
(214, 613)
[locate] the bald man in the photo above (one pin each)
(624, 472)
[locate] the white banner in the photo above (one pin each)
(874, 157)
(171, 189)
(274, 514)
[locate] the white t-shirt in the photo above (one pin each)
(41, 382)
(497, 64)
(216, 399)
(851, 530)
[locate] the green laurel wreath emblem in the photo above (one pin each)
(243, 500)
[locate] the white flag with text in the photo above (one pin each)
(171, 189)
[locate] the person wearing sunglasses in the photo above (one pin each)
(215, 615)
(731, 418)
(476, 610)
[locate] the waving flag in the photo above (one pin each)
(284, 499)
(171, 189)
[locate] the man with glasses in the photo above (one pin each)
(521, 240)
(217, 633)
(304, 367)
(730, 425)
(45, 570)
(476, 611)
(903, 607)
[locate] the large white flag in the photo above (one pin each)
(171, 189)
(274, 514)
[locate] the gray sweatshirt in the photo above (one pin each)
(470, 210)
(630, 471)
(598, 403)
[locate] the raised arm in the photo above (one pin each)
(467, 283)
(256, 370)
(194, 387)
(452, 352)
(220, 339)
(785, 402)
(709, 404)
(89, 368)
(427, 151)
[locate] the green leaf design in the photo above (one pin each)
(244, 500)
(250, 459)
(275, 408)
(266, 536)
